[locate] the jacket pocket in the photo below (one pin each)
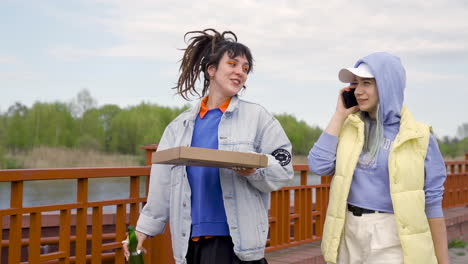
(176, 174)
(262, 226)
(262, 232)
(244, 146)
(250, 215)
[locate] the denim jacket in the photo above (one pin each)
(245, 127)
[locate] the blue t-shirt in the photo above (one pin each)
(208, 213)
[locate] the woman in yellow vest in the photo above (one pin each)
(386, 193)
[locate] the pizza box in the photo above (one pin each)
(191, 156)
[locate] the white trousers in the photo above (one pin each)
(371, 239)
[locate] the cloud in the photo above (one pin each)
(291, 35)
(9, 76)
(10, 60)
(283, 31)
(298, 44)
(422, 77)
(70, 52)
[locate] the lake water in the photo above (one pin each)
(48, 192)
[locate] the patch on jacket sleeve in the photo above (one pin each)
(282, 156)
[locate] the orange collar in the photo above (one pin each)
(204, 109)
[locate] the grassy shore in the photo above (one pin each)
(49, 157)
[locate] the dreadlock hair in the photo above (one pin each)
(206, 49)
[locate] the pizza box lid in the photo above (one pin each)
(192, 156)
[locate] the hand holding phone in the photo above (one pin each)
(349, 99)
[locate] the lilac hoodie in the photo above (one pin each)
(370, 187)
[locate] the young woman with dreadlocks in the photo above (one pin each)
(217, 215)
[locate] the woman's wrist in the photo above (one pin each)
(334, 127)
(141, 235)
(340, 116)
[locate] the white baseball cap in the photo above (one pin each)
(348, 75)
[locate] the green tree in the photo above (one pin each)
(91, 131)
(2, 138)
(462, 131)
(16, 133)
(463, 146)
(139, 125)
(82, 103)
(301, 135)
(453, 147)
(106, 115)
(49, 124)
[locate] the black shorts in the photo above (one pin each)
(215, 250)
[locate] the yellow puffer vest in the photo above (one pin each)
(406, 172)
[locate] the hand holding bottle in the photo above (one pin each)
(133, 246)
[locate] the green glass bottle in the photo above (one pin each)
(136, 256)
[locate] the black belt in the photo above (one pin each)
(358, 211)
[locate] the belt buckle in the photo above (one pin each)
(355, 210)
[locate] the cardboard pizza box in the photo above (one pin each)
(191, 156)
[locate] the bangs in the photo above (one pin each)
(235, 49)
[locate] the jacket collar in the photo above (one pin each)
(193, 113)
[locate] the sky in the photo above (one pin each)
(127, 52)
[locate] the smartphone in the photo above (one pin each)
(349, 99)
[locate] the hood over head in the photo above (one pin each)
(390, 77)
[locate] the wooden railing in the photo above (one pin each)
(84, 233)
(301, 220)
(24, 241)
(456, 185)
